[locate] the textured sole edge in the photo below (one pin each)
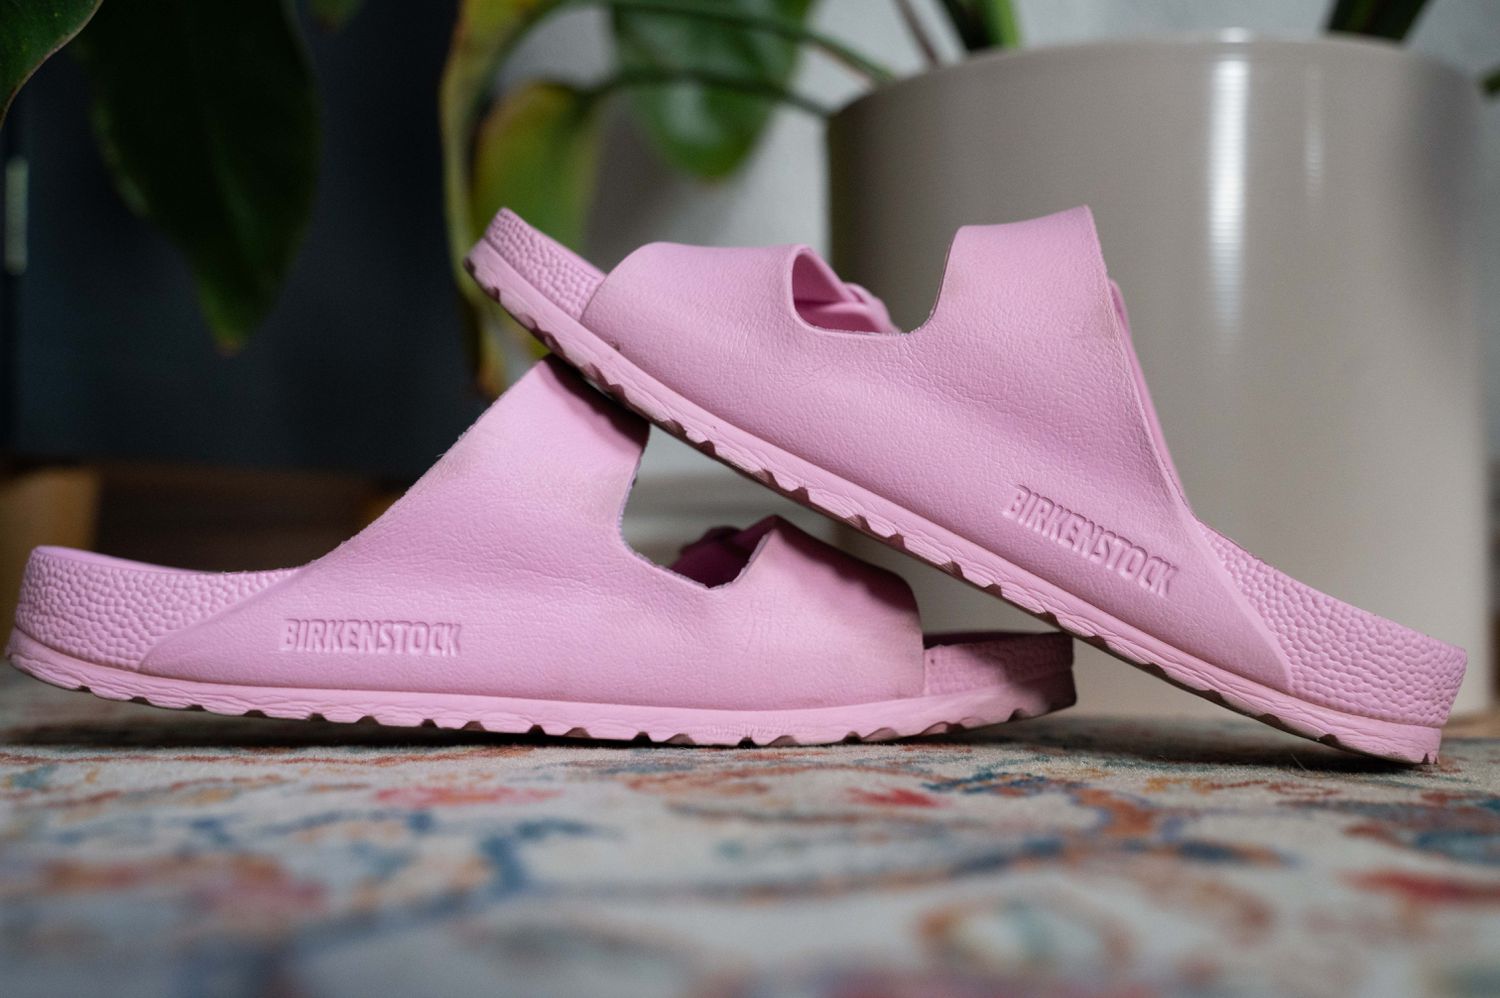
(881, 721)
(604, 366)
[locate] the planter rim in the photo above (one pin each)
(1203, 44)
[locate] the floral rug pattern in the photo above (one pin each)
(154, 853)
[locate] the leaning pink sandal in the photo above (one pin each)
(498, 592)
(1009, 440)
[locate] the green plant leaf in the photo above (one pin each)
(537, 153)
(206, 115)
(983, 24)
(1001, 25)
(334, 14)
(968, 24)
(34, 30)
(698, 127)
(1392, 19)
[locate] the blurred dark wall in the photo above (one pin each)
(361, 366)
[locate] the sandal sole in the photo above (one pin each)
(1032, 696)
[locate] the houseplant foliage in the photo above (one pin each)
(206, 114)
(701, 80)
(33, 31)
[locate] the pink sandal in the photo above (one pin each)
(1009, 440)
(499, 592)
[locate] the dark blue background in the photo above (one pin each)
(361, 366)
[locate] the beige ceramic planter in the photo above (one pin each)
(1291, 224)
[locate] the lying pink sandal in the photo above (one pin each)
(499, 592)
(1009, 440)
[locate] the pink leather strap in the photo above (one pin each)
(1026, 282)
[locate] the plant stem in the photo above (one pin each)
(832, 47)
(966, 23)
(918, 33)
(626, 79)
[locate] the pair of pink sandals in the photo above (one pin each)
(1009, 440)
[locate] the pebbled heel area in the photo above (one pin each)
(564, 277)
(959, 662)
(111, 611)
(1344, 657)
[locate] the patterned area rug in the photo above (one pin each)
(152, 853)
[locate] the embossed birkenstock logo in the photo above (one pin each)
(1090, 541)
(369, 637)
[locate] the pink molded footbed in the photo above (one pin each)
(1010, 439)
(499, 592)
